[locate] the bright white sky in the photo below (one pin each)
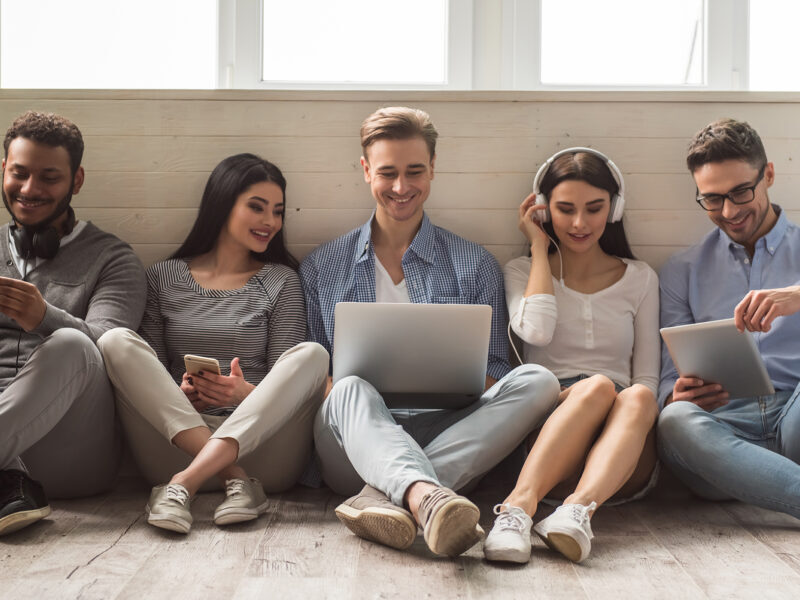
(173, 43)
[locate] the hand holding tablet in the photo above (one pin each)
(716, 352)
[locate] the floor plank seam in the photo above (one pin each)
(114, 543)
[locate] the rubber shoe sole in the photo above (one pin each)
(385, 526)
(563, 543)
(18, 520)
(454, 528)
(167, 521)
(229, 516)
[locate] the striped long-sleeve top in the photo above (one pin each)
(257, 322)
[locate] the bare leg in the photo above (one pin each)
(615, 455)
(212, 457)
(563, 441)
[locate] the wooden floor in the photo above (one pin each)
(667, 546)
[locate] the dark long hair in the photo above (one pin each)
(227, 182)
(583, 166)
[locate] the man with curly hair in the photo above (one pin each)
(63, 282)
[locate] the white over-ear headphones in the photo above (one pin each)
(617, 200)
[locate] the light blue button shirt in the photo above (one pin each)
(707, 281)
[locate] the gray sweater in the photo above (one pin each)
(93, 284)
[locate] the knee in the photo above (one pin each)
(347, 395)
(675, 423)
(71, 343)
(316, 358)
(595, 394)
(114, 341)
(539, 382)
(599, 388)
(637, 405)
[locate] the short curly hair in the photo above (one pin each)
(726, 139)
(49, 129)
(398, 123)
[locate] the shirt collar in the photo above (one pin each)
(423, 244)
(771, 240)
(775, 235)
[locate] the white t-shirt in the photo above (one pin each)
(613, 332)
(385, 288)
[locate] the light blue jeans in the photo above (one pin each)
(748, 449)
(359, 440)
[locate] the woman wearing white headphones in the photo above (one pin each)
(596, 328)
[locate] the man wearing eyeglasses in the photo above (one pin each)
(748, 268)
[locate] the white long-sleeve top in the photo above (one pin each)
(613, 332)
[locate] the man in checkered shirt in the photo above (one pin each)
(411, 461)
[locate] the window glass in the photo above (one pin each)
(774, 52)
(622, 42)
(108, 44)
(358, 41)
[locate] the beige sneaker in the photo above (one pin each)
(244, 501)
(372, 516)
(169, 507)
(449, 522)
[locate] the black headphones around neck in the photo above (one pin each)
(43, 240)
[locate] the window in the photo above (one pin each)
(360, 41)
(102, 44)
(400, 44)
(622, 42)
(774, 52)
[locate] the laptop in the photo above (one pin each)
(416, 355)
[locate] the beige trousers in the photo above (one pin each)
(273, 425)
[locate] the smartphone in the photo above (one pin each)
(194, 364)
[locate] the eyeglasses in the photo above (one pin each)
(715, 202)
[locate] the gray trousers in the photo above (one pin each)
(57, 418)
(359, 440)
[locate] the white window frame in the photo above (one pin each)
(726, 51)
(240, 53)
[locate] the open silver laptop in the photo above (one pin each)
(416, 355)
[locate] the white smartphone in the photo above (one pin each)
(195, 364)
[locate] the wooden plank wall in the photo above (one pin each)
(148, 154)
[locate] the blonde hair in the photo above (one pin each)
(398, 123)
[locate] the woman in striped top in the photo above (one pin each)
(230, 292)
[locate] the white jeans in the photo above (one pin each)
(359, 440)
(273, 425)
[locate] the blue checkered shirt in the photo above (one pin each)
(439, 267)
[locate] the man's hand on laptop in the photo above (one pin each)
(759, 308)
(490, 381)
(691, 389)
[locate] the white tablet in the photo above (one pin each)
(717, 352)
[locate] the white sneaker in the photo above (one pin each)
(568, 531)
(510, 537)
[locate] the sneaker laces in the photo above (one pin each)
(579, 512)
(508, 520)
(177, 492)
(234, 487)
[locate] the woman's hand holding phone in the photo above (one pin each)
(217, 390)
